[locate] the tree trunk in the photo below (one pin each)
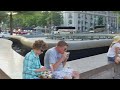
(11, 21)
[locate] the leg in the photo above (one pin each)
(71, 74)
(76, 75)
(59, 75)
(111, 60)
(117, 60)
(65, 77)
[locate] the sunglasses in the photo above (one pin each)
(42, 50)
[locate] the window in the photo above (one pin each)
(95, 24)
(86, 22)
(91, 24)
(82, 28)
(115, 20)
(112, 19)
(78, 15)
(70, 15)
(91, 17)
(78, 21)
(81, 22)
(111, 24)
(85, 16)
(70, 22)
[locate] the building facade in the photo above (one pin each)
(84, 20)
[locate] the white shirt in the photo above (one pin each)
(111, 51)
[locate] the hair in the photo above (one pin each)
(112, 44)
(39, 44)
(62, 43)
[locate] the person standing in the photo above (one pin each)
(113, 52)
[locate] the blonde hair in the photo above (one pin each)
(115, 40)
(112, 44)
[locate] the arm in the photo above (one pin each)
(116, 52)
(67, 56)
(29, 66)
(52, 61)
(64, 63)
(56, 65)
(40, 69)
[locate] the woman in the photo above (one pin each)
(114, 50)
(31, 64)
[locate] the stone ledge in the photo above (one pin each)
(95, 67)
(73, 45)
(3, 75)
(104, 72)
(11, 63)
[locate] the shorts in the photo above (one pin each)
(111, 59)
(66, 72)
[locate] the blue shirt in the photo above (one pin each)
(51, 57)
(30, 64)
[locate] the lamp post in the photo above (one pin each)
(11, 21)
(108, 26)
(45, 29)
(117, 20)
(1, 26)
(51, 20)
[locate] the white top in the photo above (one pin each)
(111, 51)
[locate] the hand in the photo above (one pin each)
(43, 68)
(51, 68)
(64, 56)
(68, 53)
(66, 59)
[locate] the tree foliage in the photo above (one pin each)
(33, 18)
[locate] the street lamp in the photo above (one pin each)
(45, 29)
(117, 22)
(11, 20)
(108, 27)
(1, 26)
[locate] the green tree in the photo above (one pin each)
(3, 15)
(55, 18)
(34, 18)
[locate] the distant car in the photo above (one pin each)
(20, 32)
(4, 34)
(23, 32)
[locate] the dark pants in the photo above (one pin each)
(111, 59)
